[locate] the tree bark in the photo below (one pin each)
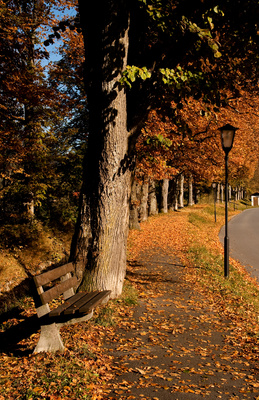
(143, 207)
(173, 194)
(101, 232)
(190, 200)
(164, 196)
(181, 191)
(152, 199)
(133, 212)
(235, 193)
(218, 192)
(222, 193)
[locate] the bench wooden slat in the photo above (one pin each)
(74, 308)
(52, 275)
(58, 289)
(60, 309)
(94, 302)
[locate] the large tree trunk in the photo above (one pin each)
(100, 237)
(143, 207)
(222, 193)
(181, 191)
(134, 206)
(164, 196)
(190, 198)
(152, 199)
(173, 194)
(218, 192)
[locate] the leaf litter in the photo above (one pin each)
(185, 342)
(182, 341)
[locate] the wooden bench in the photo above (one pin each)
(76, 307)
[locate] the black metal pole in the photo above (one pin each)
(215, 198)
(226, 239)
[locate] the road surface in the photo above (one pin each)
(243, 233)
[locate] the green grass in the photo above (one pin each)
(107, 314)
(129, 294)
(197, 219)
(239, 295)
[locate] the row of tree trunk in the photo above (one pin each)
(151, 197)
(236, 193)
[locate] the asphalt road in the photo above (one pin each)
(243, 233)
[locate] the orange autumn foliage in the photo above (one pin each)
(191, 140)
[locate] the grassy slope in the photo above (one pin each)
(238, 294)
(45, 248)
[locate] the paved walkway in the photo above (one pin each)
(243, 240)
(176, 345)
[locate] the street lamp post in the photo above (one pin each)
(214, 186)
(227, 138)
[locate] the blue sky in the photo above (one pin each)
(53, 49)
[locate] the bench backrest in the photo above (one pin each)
(50, 285)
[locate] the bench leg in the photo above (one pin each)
(50, 339)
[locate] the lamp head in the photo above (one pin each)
(227, 137)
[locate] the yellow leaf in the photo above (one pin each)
(38, 389)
